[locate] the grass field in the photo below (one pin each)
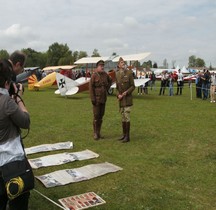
(170, 163)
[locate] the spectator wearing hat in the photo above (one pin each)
(100, 83)
(124, 86)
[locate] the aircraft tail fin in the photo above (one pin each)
(32, 80)
(65, 84)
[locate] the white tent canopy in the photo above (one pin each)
(132, 57)
(184, 70)
(90, 60)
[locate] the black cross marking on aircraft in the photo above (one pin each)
(62, 83)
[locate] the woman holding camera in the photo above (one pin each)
(13, 117)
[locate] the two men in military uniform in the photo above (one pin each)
(99, 84)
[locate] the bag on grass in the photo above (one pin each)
(18, 178)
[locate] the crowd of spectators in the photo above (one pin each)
(205, 82)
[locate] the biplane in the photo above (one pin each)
(50, 78)
(47, 81)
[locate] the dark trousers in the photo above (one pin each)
(204, 91)
(163, 87)
(179, 87)
(198, 91)
(98, 111)
(19, 203)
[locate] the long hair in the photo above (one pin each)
(5, 72)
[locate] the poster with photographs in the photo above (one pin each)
(82, 201)
(49, 147)
(66, 176)
(61, 158)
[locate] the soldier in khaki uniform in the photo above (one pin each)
(99, 84)
(125, 86)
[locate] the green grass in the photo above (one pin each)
(170, 163)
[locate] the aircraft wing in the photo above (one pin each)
(137, 82)
(113, 85)
(54, 68)
(23, 77)
(82, 80)
(66, 85)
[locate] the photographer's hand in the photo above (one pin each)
(19, 88)
(19, 100)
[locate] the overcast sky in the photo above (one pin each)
(168, 29)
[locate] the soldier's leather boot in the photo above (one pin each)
(123, 131)
(127, 137)
(99, 129)
(95, 127)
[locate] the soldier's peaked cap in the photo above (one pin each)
(100, 62)
(120, 59)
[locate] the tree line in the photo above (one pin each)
(60, 54)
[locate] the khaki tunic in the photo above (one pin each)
(99, 85)
(125, 82)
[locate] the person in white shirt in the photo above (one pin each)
(179, 82)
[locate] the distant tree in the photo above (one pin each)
(165, 64)
(200, 62)
(75, 56)
(4, 54)
(135, 63)
(95, 53)
(59, 54)
(192, 61)
(35, 58)
(210, 67)
(173, 64)
(67, 60)
(155, 65)
(114, 54)
(147, 64)
(82, 54)
(196, 62)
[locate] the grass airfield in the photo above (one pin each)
(170, 163)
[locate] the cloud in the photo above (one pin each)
(169, 29)
(16, 36)
(131, 22)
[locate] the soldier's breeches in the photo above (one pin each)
(98, 111)
(125, 112)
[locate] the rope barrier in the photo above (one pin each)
(142, 88)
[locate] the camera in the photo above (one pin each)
(12, 90)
